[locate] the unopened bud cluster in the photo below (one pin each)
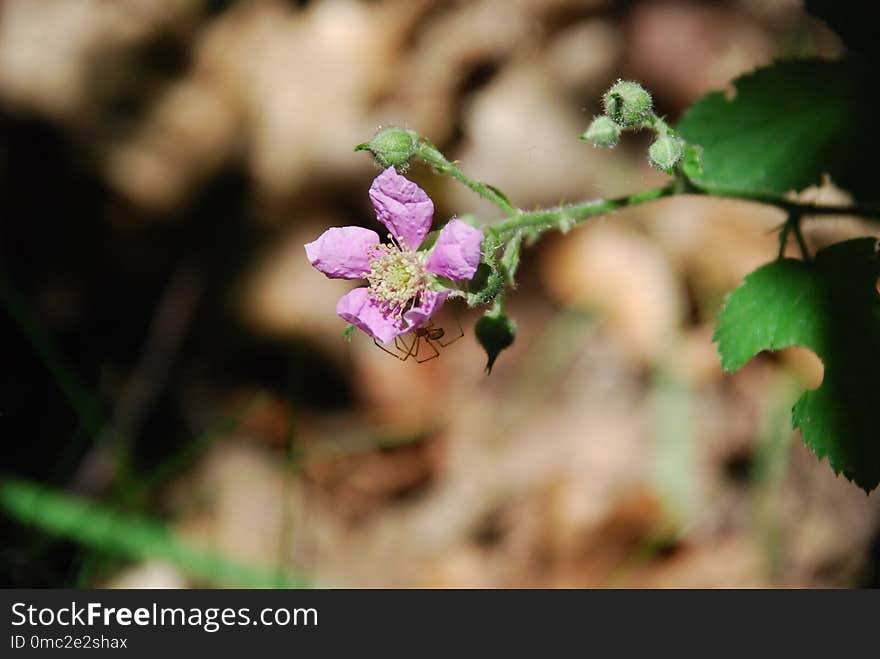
(628, 106)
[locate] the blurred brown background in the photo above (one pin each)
(162, 163)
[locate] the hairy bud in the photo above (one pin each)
(665, 152)
(627, 103)
(392, 146)
(602, 132)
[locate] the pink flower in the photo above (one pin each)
(403, 291)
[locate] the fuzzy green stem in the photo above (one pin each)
(431, 155)
(563, 217)
(570, 215)
(510, 260)
(658, 125)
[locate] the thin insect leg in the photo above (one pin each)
(453, 339)
(393, 354)
(433, 347)
(414, 348)
(401, 346)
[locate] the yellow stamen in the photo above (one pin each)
(397, 276)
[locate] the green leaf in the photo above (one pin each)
(691, 161)
(831, 306)
(123, 534)
(786, 126)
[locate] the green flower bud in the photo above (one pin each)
(627, 103)
(495, 332)
(392, 146)
(665, 152)
(602, 132)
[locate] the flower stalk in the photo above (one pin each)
(401, 279)
(430, 154)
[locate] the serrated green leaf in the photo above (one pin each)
(831, 306)
(786, 126)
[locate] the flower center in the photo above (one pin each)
(397, 276)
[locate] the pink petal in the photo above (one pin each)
(402, 206)
(343, 252)
(457, 251)
(430, 303)
(360, 309)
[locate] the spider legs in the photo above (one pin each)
(401, 350)
(433, 348)
(443, 344)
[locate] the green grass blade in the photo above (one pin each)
(125, 535)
